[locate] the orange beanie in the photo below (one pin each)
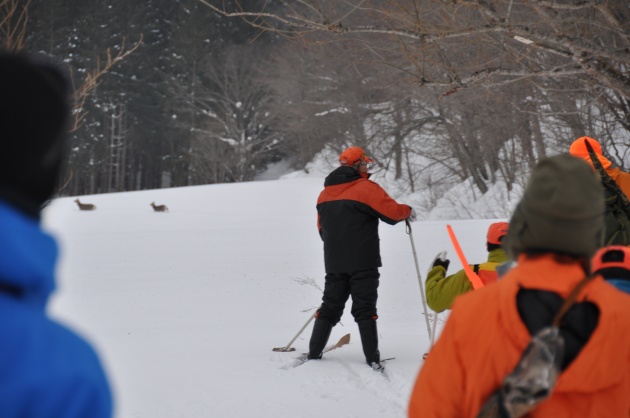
(578, 149)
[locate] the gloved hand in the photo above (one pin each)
(442, 262)
(412, 216)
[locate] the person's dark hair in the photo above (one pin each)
(34, 114)
(561, 258)
(614, 273)
(492, 247)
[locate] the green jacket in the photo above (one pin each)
(441, 291)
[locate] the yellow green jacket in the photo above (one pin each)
(441, 290)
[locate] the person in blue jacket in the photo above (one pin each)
(46, 370)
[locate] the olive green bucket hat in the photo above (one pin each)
(561, 211)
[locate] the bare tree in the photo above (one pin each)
(233, 127)
(13, 20)
(93, 78)
(14, 17)
(13, 25)
(513, 38)
(529, 76)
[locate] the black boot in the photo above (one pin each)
(369, 339)
(319, 338)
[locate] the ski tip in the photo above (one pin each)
(284, 349)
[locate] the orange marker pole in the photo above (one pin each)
(475, 280)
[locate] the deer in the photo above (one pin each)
(85, 206)
(159, 208)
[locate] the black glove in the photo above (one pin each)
(444, 263)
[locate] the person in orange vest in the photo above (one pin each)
(441, 290)
(554, 232)
(616, 185)
(613, 263)
(578, 149)
(348, 213)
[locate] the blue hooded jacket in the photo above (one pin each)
(46, 370)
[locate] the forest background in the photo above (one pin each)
(440, 93)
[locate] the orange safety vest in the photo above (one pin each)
(486, 276)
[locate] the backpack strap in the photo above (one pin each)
(476, 268)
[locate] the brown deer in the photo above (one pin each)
(85, 206)
(159, 208)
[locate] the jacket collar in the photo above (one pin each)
(498, 255)
(341, 175)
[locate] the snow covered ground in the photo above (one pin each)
(185, 307)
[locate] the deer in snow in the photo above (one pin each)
(85, 206)
(159, 208)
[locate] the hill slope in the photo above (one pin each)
(186, 306)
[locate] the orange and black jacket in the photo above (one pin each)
(348, 210)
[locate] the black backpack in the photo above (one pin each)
(617, 216)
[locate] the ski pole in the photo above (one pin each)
(435, 320)
(288, 346)
(415, 259)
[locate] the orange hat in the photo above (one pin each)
(496, 231)
(353, 155)
(613, 256)
(578, 149)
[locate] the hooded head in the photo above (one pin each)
(34, 111)
(561, 211)
(578, 149)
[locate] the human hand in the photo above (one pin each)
(412, 216)
(442, 262)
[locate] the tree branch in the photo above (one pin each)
(93, 79)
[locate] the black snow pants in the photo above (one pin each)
(361, 285)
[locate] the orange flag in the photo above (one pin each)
(475, 280)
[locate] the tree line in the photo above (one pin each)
(439, 92)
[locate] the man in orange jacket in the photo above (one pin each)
(348, 213)
(617, 213)
(578, 149)
(553, 233)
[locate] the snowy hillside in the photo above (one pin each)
(186, 306)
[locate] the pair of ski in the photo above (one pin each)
(303, 358)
